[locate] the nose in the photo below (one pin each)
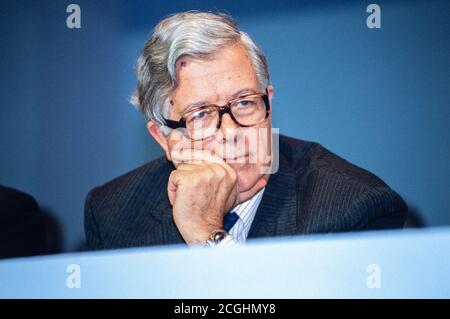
(228, 128)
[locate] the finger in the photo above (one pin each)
(195, 156)
(176, 178)
(188, 167)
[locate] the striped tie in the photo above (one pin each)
(229, 220)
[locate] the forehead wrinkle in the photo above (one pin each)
(220, 87)
(212, 82)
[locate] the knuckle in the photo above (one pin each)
(220, 171)
(209, 172)
(173, 175)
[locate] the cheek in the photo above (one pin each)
(175, 141)
(259, 144)
(247, 173)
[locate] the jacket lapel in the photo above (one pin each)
(158, 207)
(277, 212)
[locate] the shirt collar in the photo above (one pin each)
(247, 209)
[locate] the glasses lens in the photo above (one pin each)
(249, 110)
(202, 123)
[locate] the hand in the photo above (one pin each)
(201, 190)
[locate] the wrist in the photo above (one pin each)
(197, 232)
(216, 237)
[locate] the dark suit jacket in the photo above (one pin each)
(314, 191)
(24, 230)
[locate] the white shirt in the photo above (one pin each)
(246, 212)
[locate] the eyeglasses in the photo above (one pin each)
(204, 121)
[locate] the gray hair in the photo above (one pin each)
(192, 33)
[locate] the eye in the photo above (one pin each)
(199, 115)
(245, 103)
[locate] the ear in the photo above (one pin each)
(155, 131)
(270, 91)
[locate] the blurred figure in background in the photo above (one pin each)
(24, 229)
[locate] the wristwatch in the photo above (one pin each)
(216, 237)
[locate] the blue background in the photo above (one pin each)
(377, 97)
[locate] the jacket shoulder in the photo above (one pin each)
(336, 195)
(149, 174)
(313, 158)
(117, 212)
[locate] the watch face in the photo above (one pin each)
(217, 236)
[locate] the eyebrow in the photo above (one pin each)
(235, 95)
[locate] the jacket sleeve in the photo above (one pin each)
(91, 229)
(376, 209)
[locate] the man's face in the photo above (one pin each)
(216, 81)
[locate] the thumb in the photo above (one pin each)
(171, 192)
(172, 186)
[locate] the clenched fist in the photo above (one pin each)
(201, 190)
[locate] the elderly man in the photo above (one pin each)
(204, 87)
